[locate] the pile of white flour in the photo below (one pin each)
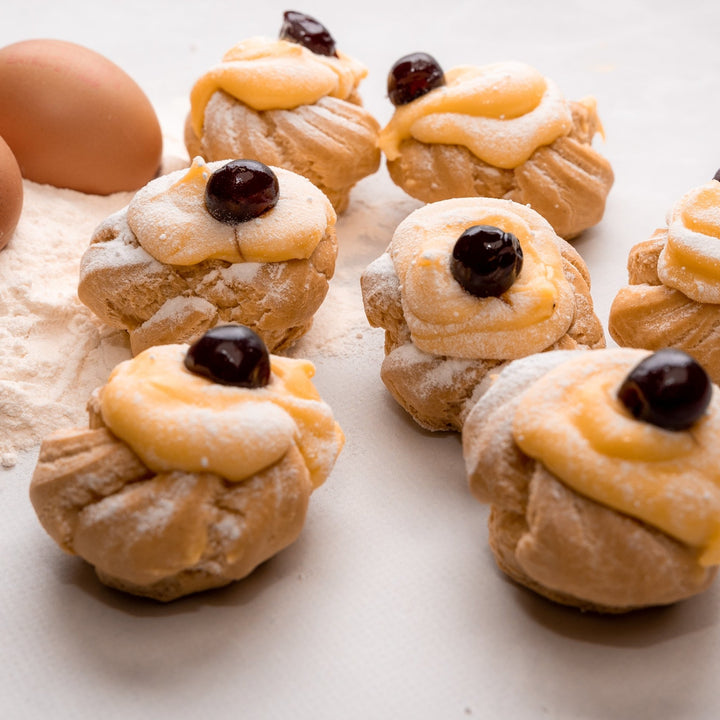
(53, 352)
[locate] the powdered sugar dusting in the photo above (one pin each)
(148, 518)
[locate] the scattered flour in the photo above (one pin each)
(53, 352)
(340, 327)
(339, 323)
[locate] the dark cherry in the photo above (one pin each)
(230, 355)
(668, 389)
(412, 76)
(716, 176)
(240, 191)
(486, 260)
(300, 28)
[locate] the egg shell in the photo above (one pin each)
(76, 120)
(11, 193)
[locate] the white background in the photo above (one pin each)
(389, 605)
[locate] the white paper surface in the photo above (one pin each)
(389, 605)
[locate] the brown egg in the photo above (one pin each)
(74, 119)
(11, 193)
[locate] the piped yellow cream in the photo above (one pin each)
(275, 75)
(572, 422)
(170, 221)
(176, 420)
(501, 112)
(690, 260)
(444, 319)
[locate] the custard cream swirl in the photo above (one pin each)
(275, 75)
(170, 221)
(501, 112)
(572, 421)
(176, 420)
(690, 260)
(444, 319)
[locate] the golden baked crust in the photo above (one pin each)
(332, 142)
(159, 303)
(648, 314)
(168, 534)
(439, 390)
(550, 538)
(567, 182)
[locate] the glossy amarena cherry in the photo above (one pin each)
(486, 260)
(305, 30)
(230, 355)
(241, 190)
(412, 76)
(669, 389)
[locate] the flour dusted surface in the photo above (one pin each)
(53, 351)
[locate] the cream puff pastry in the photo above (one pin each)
(291, 102)
(166, 269)
(501, 130)
(197, 465)
(673, 296)
(599, 497)
(442, 336)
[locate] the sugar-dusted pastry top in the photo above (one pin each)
(176, 420)
(170, 221)
(444, 319)
(275, 75)
(501, 112)
(690, 260)
(572, 421)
